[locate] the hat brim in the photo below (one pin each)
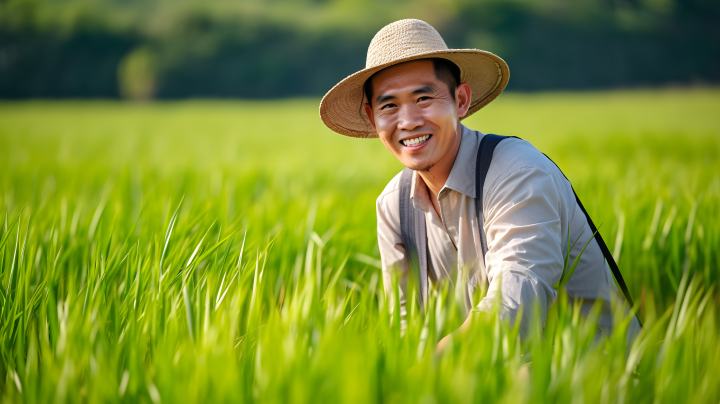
(342, 108)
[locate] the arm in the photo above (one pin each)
(524, 258)
(525, 239)
(392, 251)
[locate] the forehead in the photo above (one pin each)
(404, 74)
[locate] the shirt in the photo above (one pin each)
(528, 208)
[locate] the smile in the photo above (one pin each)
(416, 141)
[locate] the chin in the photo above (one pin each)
(418, 165)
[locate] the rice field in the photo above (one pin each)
(225, 251)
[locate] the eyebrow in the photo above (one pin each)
(422, 90)
(382, 98)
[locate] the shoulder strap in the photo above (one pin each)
(485, 153)
(414, 236)
(484, 158)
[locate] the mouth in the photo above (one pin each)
(416, 141)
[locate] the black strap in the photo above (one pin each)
(414, 235)
(482, 165)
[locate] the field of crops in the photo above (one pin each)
(225, 251)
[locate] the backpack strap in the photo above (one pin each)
(485, 152)
(414, 236)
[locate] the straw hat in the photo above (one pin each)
(342, 107)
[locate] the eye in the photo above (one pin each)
(387, 106)
(423, 98)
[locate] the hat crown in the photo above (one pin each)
(401, 39)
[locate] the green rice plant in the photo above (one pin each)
(208, 251)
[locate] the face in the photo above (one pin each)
(415, 115)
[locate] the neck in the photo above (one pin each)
(436, 176)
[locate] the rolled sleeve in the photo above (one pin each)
(524, 233)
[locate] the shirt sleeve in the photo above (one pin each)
(392, 251)
(524, 233)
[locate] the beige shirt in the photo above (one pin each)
(528, 207)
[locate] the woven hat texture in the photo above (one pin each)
(341, 109)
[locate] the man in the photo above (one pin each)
(513, 237)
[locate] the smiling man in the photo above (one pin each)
(472, 209)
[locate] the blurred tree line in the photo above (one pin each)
(145, 49)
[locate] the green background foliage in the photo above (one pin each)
(267, 49)
(212, 251)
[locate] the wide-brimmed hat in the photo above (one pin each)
(402, 41)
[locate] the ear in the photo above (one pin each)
(369, 113)
(463, 96)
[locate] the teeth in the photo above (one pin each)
(416, 141)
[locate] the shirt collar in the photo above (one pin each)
(462, 174)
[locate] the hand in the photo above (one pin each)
(446, 339)
(441, 345)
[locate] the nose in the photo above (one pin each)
(410, 117)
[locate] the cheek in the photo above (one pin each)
(385, 129)
(443, 112)
(445, 120)
(386, 139)
(384, 122)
